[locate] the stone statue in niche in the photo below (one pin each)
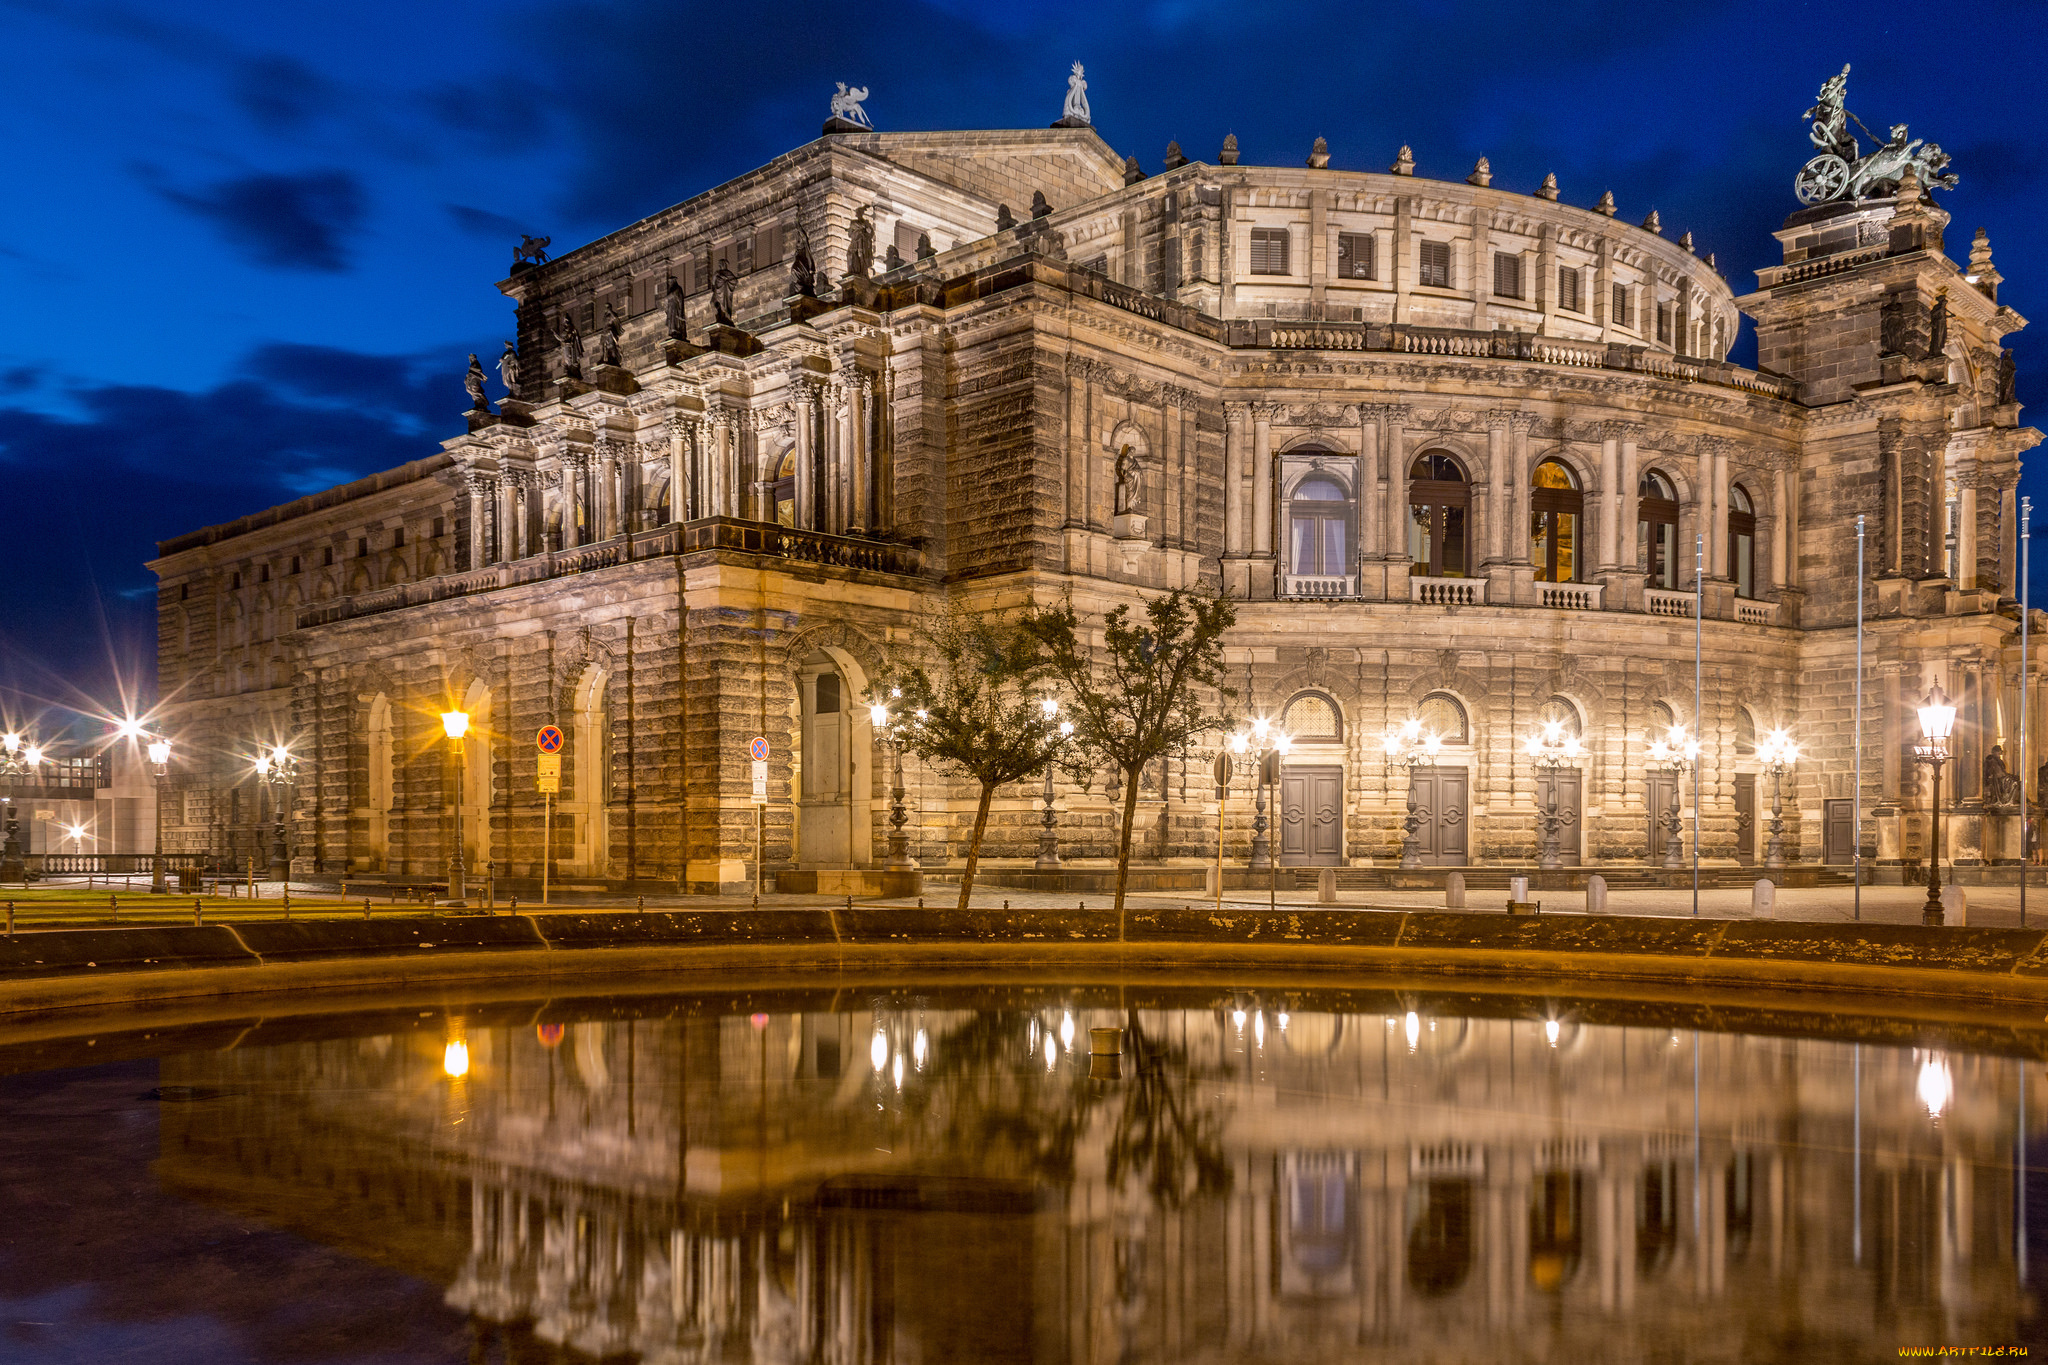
(608, 339)
(1130, 481)
(571, 342)
(2001, 788)
(508, 368)
(803, 265)
(1937, 327)
(2006, 378)
(723, 285)
(474, 382)
(860, 244)
(672, 312)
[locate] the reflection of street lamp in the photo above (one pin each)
(455, 724)
(1777, 753)
(159, 751)
(18, 758)
(1409, 748)
(1552, 751)
(1673, 754)
(1937, 721)
(281, 771)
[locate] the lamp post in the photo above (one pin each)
(1267, 742)
(1048, 835)
(1673, 754)
(1552, 750)
(281, 771)
(18, 759)
(899, 859)
(1409, 747)
(455, 724)
(159, 750)
(1777, 753)
(1937, 722)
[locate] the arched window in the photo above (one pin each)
(1657, 530)
(785, 491)
(1745, 733)
(1438, 500)
(1319, 529)
(1741, 541)
(1312, 718)
(1556, 1228)
(1564, 713)
(1555, 504)
(1442, 716)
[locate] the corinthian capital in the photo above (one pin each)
(1263, 411)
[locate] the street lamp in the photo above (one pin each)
(1937, 722)
(18, 758)
(281, 771)
(1674, 754)
(1777, 753)
(1270, 745)
(159, 751)
(899, 859)
(1048, 836)
(1410, 747)
(455, 724)
(1552, 751)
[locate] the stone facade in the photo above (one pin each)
(1455, 451)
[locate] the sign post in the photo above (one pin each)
(548, 782)
(1221, 772)
(757, 750)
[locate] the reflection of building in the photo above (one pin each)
(898, 1186)
(1451, 446)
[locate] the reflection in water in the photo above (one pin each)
(908, 1183)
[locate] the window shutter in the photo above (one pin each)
(1436, 264)
(1355, 256)
(1507, 274)
(1269, 251)
(1568, 288)
(1621, 305)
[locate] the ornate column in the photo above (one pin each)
(857, 462)
(604, 478)
(1606, 540)
(1396, 444)
(481, 489)
(508, 516)
(1781, 503)
(1372, 486)
(1500, 481)
(1966, 527)
(1233, 478)
(682, 432)
(804, 403)
(1630, 500)
(575, 515)
(1522, 423)
(1262, 478)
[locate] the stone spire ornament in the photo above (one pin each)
(1482, 173)
(1982, 272)
(1319, 155)
(1653, 223)
(1686, 241)
(1133, 173)
(1606, 204)
(1174, 159)
(1548, 189)
(1228, 156)
(1404, 161)
(1075, 113)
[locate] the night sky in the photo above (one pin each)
(246, 249)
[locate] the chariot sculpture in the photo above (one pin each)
(1841, 172)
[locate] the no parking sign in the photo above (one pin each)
(757, 749)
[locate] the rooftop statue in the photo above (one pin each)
(846, 104)
(474, 382)
(508, 369)
(1841, 172)
(1076, 110)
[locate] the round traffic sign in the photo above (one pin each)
(549, 739)
(759, 748)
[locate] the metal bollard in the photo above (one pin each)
(1006, 902)
(10, 919)
(197, 918)
(366, 907)
(515, 906)
(113, 907)
(639, 902)
(920, 902)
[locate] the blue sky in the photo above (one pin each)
(245, 249)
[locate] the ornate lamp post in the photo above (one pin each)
(1937, 722)
(1409, 748)
(1270, 746)
(1552, 750)
(281, 771)
(1777, 753)
(1674, 754)
(1048, 835)
(18, 758)
(455, 724)
(159, 750)
(899, 859)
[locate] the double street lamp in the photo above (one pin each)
(18, 758)
(1269, 745)
(1048, 835)
(1776, 754)
(1552, 751)
(1937, 723)
(455, 724)
(1408, 748)
(278, 768)
(1675, 754)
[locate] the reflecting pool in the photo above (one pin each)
(860, 1175)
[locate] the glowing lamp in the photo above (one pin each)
(10, 741)
(455, 724)
(878, 714)
(1049, 705)
(34, 755)
(455, 1059)
(1937, 718)
(160, 752)
(1066, 728)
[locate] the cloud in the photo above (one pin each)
(280, 94)
(288, 222)
(483, 223)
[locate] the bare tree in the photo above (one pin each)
(1144, 699)
(976, 697)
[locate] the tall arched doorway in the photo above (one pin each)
(835, 800)
(1439, 499)
(1312, 784)
(587, 806)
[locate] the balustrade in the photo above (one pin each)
(1447, 592)
(1302, 585)
(1664, 602)
(1570, 596)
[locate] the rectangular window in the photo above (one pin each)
(1355, 256)
(327, 557)
(1568, 289)
(295, 563)
(769, 245)
(235, 579)
(1621, 317)
(398, 538)
(1507, 275)
(906, 240)
(440, 527)
(1664, 322)
(362, 547)
(1269, 251)
(263, 573)
(1436, 265)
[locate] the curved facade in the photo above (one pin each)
(1455, 450)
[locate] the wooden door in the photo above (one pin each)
(1661, 796)
(1564, 787)
(1311, 817)
(1838, 831)
(1745, 818)
(1442, 804)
